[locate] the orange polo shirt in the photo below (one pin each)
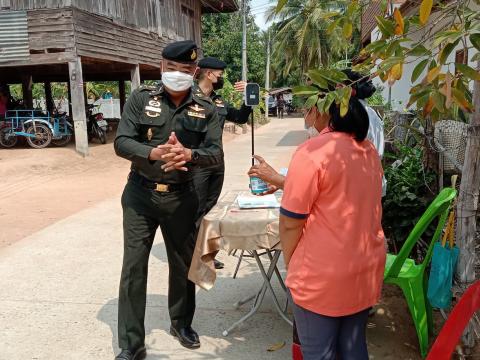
(335, 183)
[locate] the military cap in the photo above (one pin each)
(212, 63)
(181, 51)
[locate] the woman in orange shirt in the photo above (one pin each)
(331, 234)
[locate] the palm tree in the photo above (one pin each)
(301, 39)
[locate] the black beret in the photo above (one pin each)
(212, 63)
(181, 51)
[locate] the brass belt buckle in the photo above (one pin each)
(162, 188)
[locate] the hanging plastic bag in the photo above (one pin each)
(444, 260)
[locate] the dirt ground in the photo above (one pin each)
(40, 187)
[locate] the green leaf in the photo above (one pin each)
(425, 10)
(476, 57)
(418, 70)
(329, 99)
(387, 27)
(475, 40)
(418, 96)
(311, 101)
(337, 75)
(333, 25)
(317, 78)
(468, 71)
(305, 90)
(448, 36)
(390, 62)
(321, 105)
(419, 50)
(446, 51)
(280, 5)
(376, 46)
(347, 30)
(439, 101)
(392, 48)
(345, 99)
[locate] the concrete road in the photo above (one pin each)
(58, 287)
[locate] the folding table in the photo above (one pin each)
(226, 227)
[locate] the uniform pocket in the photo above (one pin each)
(195, 124)
(152, 129)
(194, 130)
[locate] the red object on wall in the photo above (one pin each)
(461, 314)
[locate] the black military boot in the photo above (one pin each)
(186, 336)
(218, 264)
(138, 354)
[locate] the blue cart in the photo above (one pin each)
(37, 127)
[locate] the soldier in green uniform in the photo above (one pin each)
(165, 132)
(209, 179)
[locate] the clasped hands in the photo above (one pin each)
(173, 153)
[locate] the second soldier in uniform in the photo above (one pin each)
(164, 132)
(209, 179)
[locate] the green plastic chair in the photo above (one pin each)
(412, 278)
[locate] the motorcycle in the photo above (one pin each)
(96, 124)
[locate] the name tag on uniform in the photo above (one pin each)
(153, 109)
(196, 114)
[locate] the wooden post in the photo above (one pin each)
(121, 91)
(135, 77)
(468, 196)
(78, 106)
(69, 99)
(48, 97)
(27, 84)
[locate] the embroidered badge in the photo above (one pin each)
(154, 103)
(196, 114)
(149, 134)
(196, 108)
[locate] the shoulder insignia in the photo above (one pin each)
(147, 88)
(196, 108)
(219, 103)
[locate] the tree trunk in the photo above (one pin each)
(468, 196)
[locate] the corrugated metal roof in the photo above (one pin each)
(369, 22)
(14, 36)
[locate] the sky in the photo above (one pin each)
(258, 8)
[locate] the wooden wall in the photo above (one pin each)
(100, 39)
(173, 19)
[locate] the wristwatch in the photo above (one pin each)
(195, 156)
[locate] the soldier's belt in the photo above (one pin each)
(141, 180)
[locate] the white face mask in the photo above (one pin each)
(312, 132)
(177, 80)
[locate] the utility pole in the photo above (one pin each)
(267, 76)
(244, 41)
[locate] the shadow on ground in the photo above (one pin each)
(215, 312)
(293, 138)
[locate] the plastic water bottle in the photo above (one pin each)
(257, 186)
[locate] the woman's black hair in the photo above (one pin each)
(363, 86)
(356, 121)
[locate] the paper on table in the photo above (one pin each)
(247, 201)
